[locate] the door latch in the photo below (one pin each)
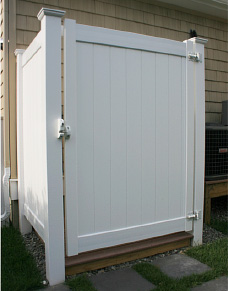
(195, 57)
(63, 130)
(195, 215)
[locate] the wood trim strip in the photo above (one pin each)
(216, 182)
(122, 250)
(97, 264)
(213, 189)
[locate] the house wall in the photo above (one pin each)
(1, 62)
(8, 87)
(146, 17)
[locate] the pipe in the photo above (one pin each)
(5, 181)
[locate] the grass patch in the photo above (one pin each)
(219, 225)
(81, 283)
(19, 270)
(214, 255)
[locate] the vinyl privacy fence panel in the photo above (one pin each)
(131, 109)
(133, 164)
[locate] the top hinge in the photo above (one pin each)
(63, 130)
(195, 57)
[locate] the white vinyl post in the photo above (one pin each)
(199, 96)
(189, 135)
(25, 226)
(196, 93)
(53, 197)
(71, 199)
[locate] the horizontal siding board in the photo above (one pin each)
(64, 3)
(216, 86)
(88, 5)
(105, 9)
(20, 37)
(213, 107)
(213, 117)
(215, 96)
(33, 24)
(22, 22)
(110, 22)
(167, 12)
(28, 8)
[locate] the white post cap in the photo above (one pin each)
(19, 52)
(50, 12)
(199, 40)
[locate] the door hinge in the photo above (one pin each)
(195, 215)
(63, 130)
(195, 57)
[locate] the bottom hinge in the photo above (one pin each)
(195, 215)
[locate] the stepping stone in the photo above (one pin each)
(178, 266)
(59, 287)
(220, 284)
(121, 280)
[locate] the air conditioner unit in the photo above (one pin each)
(216, 152)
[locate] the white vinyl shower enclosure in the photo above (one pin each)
(134, 138)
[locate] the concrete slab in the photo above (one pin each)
(60, 287)
(179, 265)
(121, 280)
(220, 284)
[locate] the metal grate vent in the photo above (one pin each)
(216, 152)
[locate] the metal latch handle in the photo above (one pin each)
(194, 215)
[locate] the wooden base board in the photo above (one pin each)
(128, 252)
(213, 189)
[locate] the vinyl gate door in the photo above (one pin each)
(129, 160)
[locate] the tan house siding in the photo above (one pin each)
(145, 17)
(1, 60)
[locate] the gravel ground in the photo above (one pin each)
(36, 247)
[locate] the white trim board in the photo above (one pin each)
(34, 220)
(31, 50)
(212, 7)
(130, 234)
(129, 40)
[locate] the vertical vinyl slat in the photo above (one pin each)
(148, 137)
(162, 137)
(133, 137)
(184, 133)
(102, 137)
(175, 137)
(85, 140)
(118, 138)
